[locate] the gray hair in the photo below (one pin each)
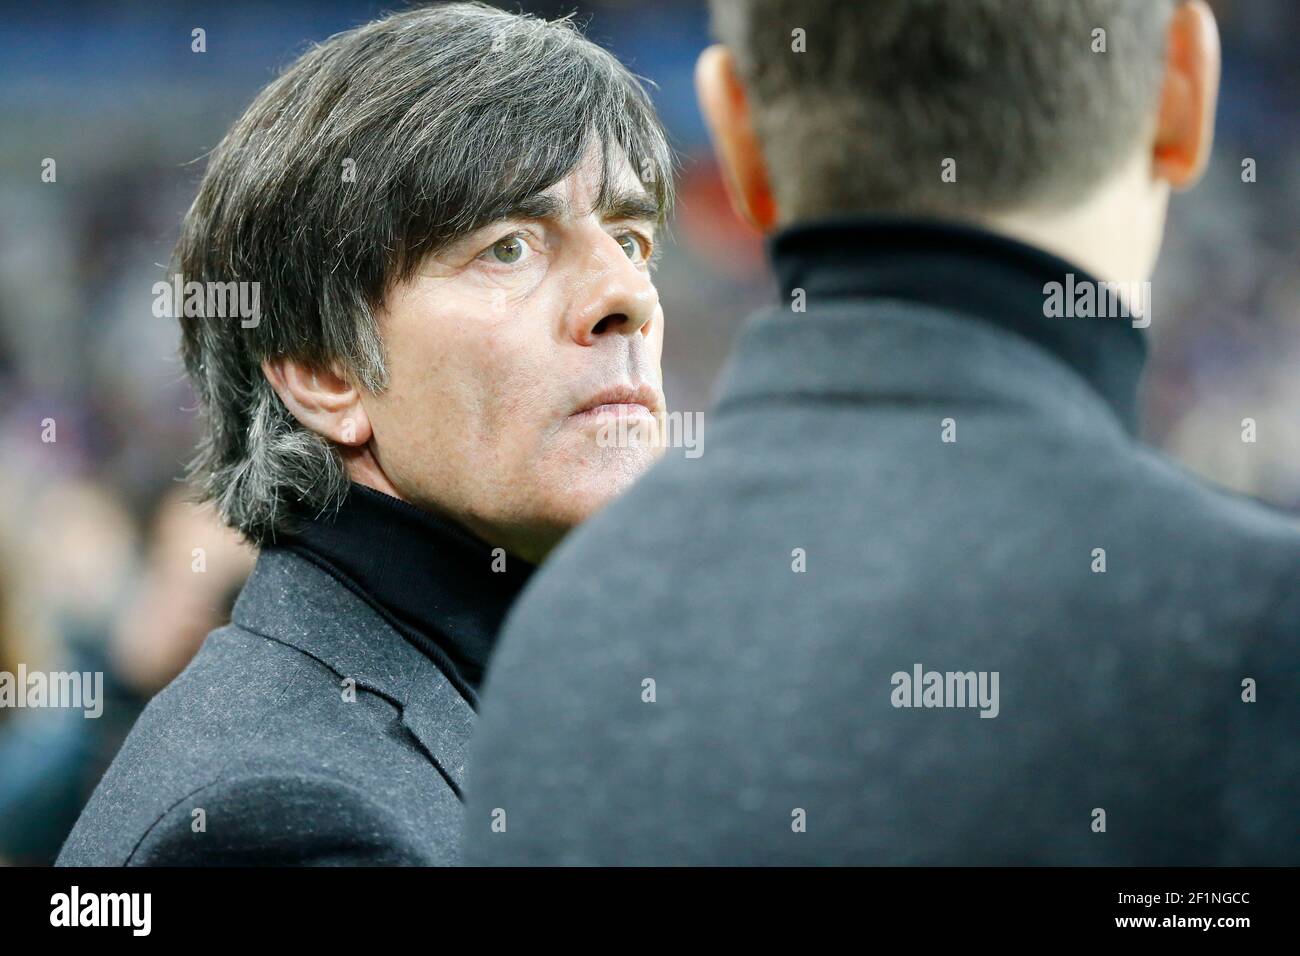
(448, 117)
(886, 91)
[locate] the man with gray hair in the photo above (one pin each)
(448, 217)
(927, 599)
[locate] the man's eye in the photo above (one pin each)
(507, 251)
(632, 246)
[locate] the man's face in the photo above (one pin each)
(514, 355)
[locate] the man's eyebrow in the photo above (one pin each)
(635, 204)
(536, 206)
(625, 204)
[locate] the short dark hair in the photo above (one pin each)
(447, 117)
(887, 90)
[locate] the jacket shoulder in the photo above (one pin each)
(278, 819)
(265, 739)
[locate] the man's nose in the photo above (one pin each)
(615, 298)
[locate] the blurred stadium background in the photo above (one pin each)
(96, 540)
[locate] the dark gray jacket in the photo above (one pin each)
(707, 671)
(260, 753)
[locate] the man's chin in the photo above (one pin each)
(582, 492)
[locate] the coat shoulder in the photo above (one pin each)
(283, 757)
(280, 818)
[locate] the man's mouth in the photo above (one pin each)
(619, 401)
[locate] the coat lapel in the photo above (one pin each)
(290, 600)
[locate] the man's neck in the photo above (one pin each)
(530, 545)
(1114, 233)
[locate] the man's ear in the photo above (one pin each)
(322, 400)
(1185, 127)
(725, 106)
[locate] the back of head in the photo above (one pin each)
(864, 106)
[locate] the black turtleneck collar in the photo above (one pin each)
(429, 578)
(963, 269)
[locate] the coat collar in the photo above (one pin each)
(290, 600)
(970, 275)
(445, 590)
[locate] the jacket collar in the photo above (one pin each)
(960, 270)
(290, 600)
(445, 590)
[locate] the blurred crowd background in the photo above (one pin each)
(97, 540)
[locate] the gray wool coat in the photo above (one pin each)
(308, 731)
